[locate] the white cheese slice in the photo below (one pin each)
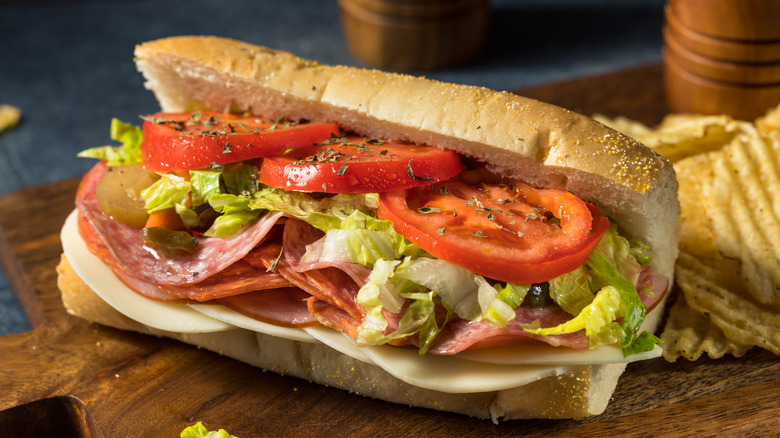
(439, 373)
(547, 354)
(173, 317)
(230, 316)
(339, 342)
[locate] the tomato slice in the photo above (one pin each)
(358, 165)
(514, 233)
(187, 141)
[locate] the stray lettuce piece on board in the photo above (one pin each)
(198, 430)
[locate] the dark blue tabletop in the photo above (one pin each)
(69, 65)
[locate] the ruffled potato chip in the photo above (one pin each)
(689, 334)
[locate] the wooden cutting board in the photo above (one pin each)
(96, 381)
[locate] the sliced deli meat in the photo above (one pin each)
(129, 252)
(284, 306)
(239, 278)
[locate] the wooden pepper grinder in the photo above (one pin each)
(411, 35)
(722, 56)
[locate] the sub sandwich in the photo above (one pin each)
(425, 243)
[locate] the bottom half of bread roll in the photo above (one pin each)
(577, 391)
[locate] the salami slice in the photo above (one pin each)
(238, 278)
(299, 236)
(284, 307)
(652, 287)
(333, 317)
(126, 244)
(329, 284)
(143, 288)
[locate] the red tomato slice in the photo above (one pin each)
(187, 141)
(359, 165)
(514, 233)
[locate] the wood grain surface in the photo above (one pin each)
(91, 380)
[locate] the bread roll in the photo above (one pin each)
(519, 137)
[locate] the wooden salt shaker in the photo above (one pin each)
(411, 35)
(722, 56)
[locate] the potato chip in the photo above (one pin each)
(631, 128)
(743, 218)
(9, 116)
(770, 122)
(695, 234)
(688, 334)
(741, 320)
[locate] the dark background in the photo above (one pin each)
(69, 65)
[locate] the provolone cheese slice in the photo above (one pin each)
(439, 373)
(339, 342)
(97, 275)
(228, 315)
(547, 354)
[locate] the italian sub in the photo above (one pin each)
(425, 243)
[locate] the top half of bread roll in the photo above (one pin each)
(542, 144)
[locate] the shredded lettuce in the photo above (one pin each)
(379, 292)
(498, 303)
(512, 294)
(189, 217)
(613, 265)
(128, 153)
(454, 285)
(198, 430)
(574, 290)
(420, 280)
(166, 192)
(204, 184)
(640, 251)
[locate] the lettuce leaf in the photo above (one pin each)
(498, 305)
(128, 153)
(205, 183)
(378, 293)
(614, 265)
(166, 192)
